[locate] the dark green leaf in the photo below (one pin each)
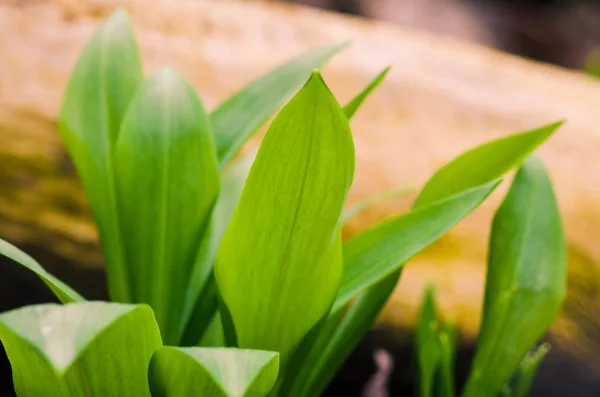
(429, 352)
(105, 78)
(526, 279)
(92, 349)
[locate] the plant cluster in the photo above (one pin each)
(227, 273)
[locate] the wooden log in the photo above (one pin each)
(442, 97)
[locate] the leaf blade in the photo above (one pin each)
(295, 251)
(104, 79)
(218, 372)
(62, 350)
(62, 291)
(238, 117)
(526, 280)
(165, 152)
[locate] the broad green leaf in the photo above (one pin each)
(526, 279)
(62, 291)
(279, 263)
(214, 372)
(357, 208)
(92, 349)
(377, 252)
(528, 369)
(167, 185)
(236, 119)
(105, 78)
(492, 160)
(232, 183)
(429, 352)
(352, 106)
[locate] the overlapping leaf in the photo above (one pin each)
(278, 265)
(105, 78)
(214, 372)
(168, 183)
(472, 170)
(242, 114)
(526, 280)
(91, 349)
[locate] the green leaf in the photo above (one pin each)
(232, 183)
(526, 279)
(236, 119)
(447, 336)
(528, 370)
(279, 263)
(483, 164)
(167, 185)
(357, 208)
(92, 349)
(429, 351)
(203, 307)
(491, 160)
(62, 291)
(105, 78)
(214, 372)
(379, 251)
(352, 106)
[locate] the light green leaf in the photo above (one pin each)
(242, 114)
(92, 349)
(359, 207)
(352, 106)
(492, 160)
(62, 291)
(167, 185)
(483, 164)
(429, 352)
(528, 370)
(105, 78)
(377, 252)
(279, 263)
(214, 372)
(526, 279)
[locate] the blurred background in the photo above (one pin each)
(447, 91)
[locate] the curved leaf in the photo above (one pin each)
(479, 166)
(279, 265)
(215, 372)
(105, 78)
(243, 113)
(62, 291)
(167, 185)
(526, 280)
(352, 106)
(92, 349)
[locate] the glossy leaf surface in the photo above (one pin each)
(92, 349)
(214, 372)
